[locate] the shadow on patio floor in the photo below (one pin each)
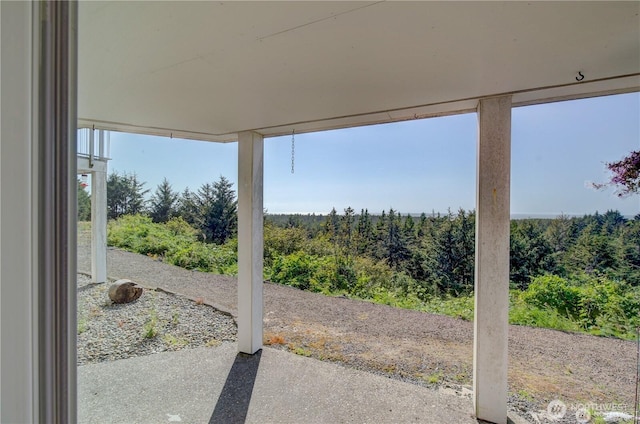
(233, 403)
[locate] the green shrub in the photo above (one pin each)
(137, 233)
(181, 228)
(521, 313)
(395, 298)
(282, 241)
(369, 274)
(590, 303)
(556, 293)
(303, 271)
(175, 241)
(595, 304)
(204, 257)
(458, 307)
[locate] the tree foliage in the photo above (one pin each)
(162, 206)
(570, 273)
(625, 174)
(218, 208)
(125, 195)
(212, 210)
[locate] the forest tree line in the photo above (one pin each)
(579, 267)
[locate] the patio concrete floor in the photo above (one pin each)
(218, 385)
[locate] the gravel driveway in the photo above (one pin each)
(414, 346)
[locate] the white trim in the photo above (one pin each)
(18, 211)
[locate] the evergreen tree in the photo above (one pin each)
(163, 202)
(364, 233)
(395, 246)
(125, 195)
(346, 229)
(217, 208)
(223, 218)
(188, 208)
(612, 221)
(422, 225)
(455, 246)
(560, 238)
(465, 236)
(531, 253)
(331, 225)
(409, 231)
(591, 253)
(628, 252)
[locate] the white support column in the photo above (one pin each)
(250, 241)
(99, 226)
(492, 260)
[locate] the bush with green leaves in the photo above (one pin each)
(460, 307)
(139, 234)
(303, 271)
(205, 257)
(556, 293)
(175, 242)
(596, 304)
(591, 302)
(522, 313)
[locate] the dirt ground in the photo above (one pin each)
(419, 347)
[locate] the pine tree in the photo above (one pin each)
(396, 249)
(163, 203)
(346, 229)
(222, 220)
(331, 225)
(188, 208)
(125, 195)
(364, 233)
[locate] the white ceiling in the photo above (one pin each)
(207, 70)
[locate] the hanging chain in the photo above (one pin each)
(293, 150)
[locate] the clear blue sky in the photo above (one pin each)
(416, 166)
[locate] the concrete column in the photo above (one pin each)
(99, 226)
(250, 241)
(492, 260)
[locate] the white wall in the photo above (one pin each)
(18, 392)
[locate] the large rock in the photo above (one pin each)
(124, 291)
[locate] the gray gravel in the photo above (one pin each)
(156, 322)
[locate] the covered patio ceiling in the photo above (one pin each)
(208, 70)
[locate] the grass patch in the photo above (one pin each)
(523, 394)
(433, 378)
(459, 307)
(298, 350)
(150, 328)
(83, 324)
(171, 340)
(213, 343)
(532, 316)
